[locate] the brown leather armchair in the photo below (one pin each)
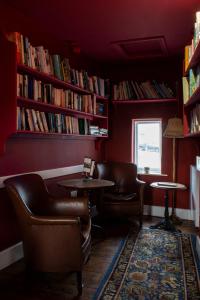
(55, 232)
(126, 197)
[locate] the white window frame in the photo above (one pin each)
(134, 141)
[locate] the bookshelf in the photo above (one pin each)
(135, 102)
(194, 59)
(191, 84)
(142, 92)
(94, 114)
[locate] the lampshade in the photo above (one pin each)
(174, 128)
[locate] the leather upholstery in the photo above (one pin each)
(126, 197)
(55, 231)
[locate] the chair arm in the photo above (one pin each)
(69, 206)
(44, 220)
(141, 185)
(48, 238)
(140, 182)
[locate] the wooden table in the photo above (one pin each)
(88, 185)
(167, 224)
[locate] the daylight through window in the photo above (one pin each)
(147, 145)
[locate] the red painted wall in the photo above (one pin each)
(31, 154)
(119, 147)
(28, 153)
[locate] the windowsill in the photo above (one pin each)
(152, 174)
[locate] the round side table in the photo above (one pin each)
(166, 223)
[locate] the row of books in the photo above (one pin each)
(189, 49)
(40, 59)
(31, 88)
(143, 90)
(32, 120)
(195, 119)
(190, 83)
(39, 121)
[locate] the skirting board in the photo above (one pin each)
(14, 253)
(158, 211)
(11, 255)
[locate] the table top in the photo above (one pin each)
(86, 184)
(168, 185)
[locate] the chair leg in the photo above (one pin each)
(79, 282)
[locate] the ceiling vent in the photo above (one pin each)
(142, 48)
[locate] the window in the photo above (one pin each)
(147, 145)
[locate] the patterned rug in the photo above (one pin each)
(153, 264)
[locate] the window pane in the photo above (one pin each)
(148, 145)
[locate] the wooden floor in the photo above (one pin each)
(16, 284)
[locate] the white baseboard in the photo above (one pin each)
(49, 173)
(11, 255)
(158, 211)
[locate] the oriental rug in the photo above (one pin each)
(154, 264)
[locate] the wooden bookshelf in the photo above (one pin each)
(194, 59)
(54, 135)
(10, 101)
(194, 99)
(141, 101)
(29, 103)
(23, 69)
(191, 109)
(196, 134)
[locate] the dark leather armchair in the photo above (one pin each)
(126, 197)
(55, 232)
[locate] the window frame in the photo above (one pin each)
(146, 120)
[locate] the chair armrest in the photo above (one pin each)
(140, 182)
(141, 185)
(44, 220)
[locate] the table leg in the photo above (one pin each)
(96, 207)
(165, 224)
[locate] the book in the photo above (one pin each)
(30, 120)
(56, 65)
(185, 89)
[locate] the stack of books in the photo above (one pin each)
(95, 130)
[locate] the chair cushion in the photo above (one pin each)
(119, 197)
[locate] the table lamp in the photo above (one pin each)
(174, 130)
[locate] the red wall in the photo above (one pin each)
(27, 153)
(33, 154)
(119, 147)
